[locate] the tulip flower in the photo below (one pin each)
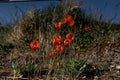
(67, 42)
(57, 39)
(86, 28)
(68, 19)
(34, 45)
(70, 36)
(58, 25)
(59, 48)
(51, 53)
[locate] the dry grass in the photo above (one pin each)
(101, 50)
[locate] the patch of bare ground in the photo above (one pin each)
(105, 56)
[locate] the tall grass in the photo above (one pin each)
(39, 25)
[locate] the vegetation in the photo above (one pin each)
(60, 42)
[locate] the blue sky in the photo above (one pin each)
(8, 10)
(107, 8)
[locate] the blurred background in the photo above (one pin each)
(10, 9)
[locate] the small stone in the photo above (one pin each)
(84, 77)
(95, 77)
(112, 66)
(118, 67)
(117, 72)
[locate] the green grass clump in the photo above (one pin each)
(80, 68)
(25, 70)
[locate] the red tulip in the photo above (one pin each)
(51, 53)
(70, 36)
(59, 48)
(71, 23)
(86, 28)
(68, 19)
(34, 45)
(67, 42)
(57, 39)
(58, 25)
